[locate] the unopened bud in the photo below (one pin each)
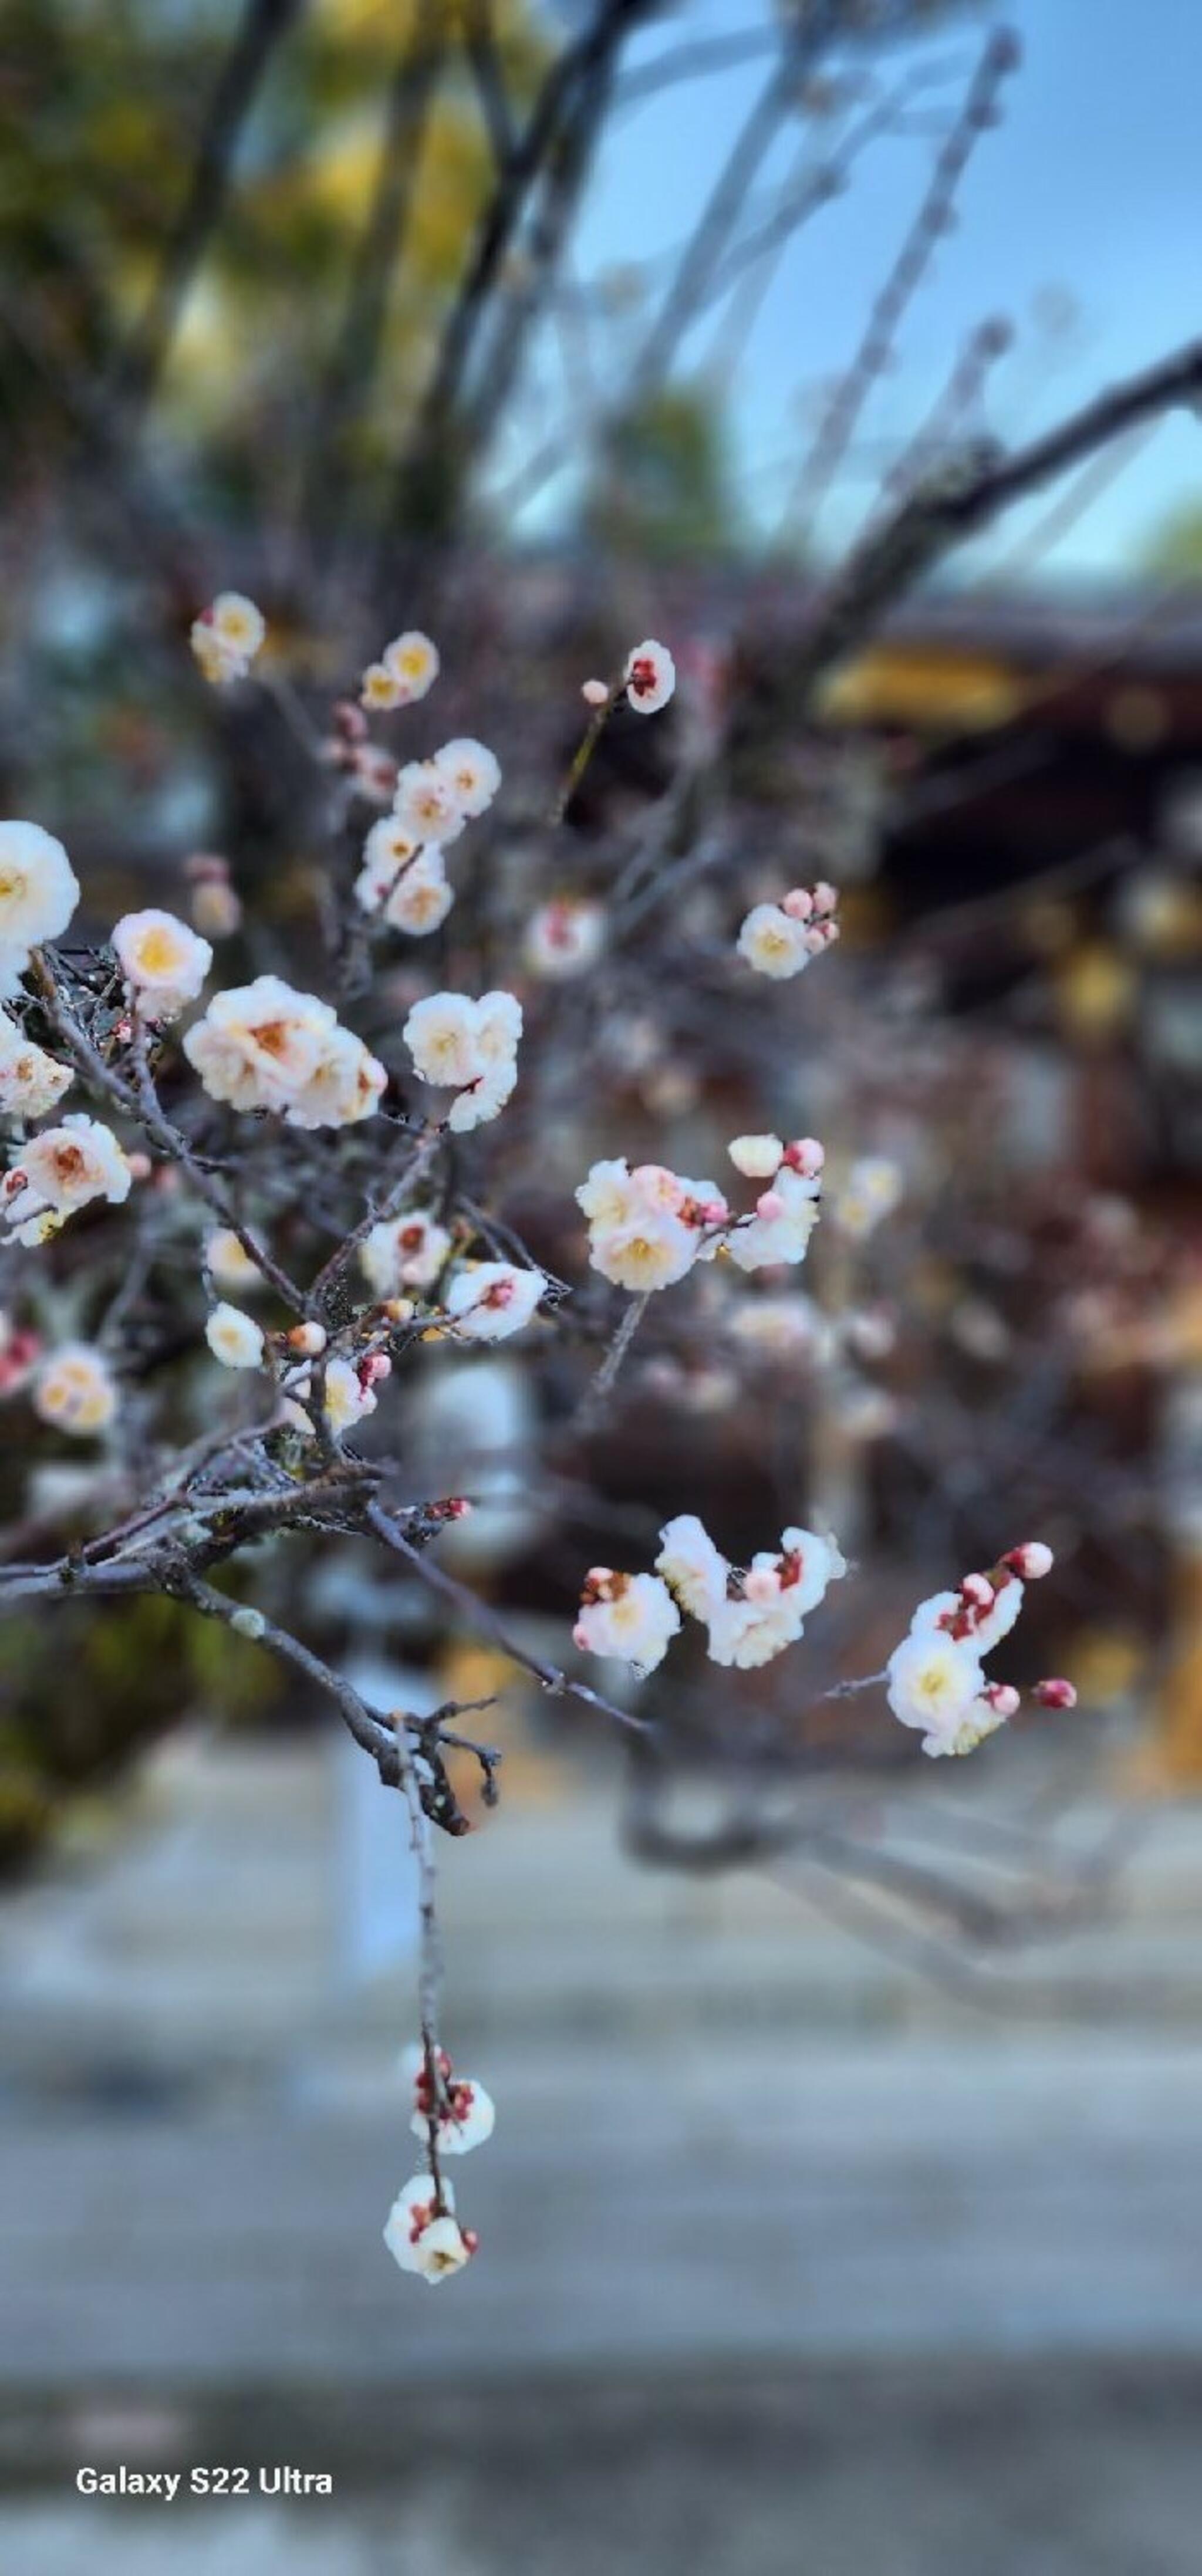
(805, 1155)
(1056, 1693)
(307, 1339)
(594, 693)
(1031, 1561)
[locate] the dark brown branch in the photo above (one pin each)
(477, 1614)
(264, 24)
(909, 267)
(429, 448)
(800, 52)
(960, 499)
(484, 60)
(355, 359)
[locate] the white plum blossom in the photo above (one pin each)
(750, 1616)
(163, 961)
(474, 773)
(266, 1046)
(259, 1044)
(650, 677)
(630, 1617)
(467, 1047)
(648, 1226)
(773, 942)
(413, 663)
(870, 1191)
(426, 803)
(234, 1338)
(564, 937)
(38, 895)
(421, 898)
(936, 1680)
(75, 1390)
(651, 1251)
(757, 1625)
(60, 1170)
(756, 1157)
(694, 1569)
(227, 635)
(765, 1611)
(489, 1300)
(350, 1395)
(31, 1082)
(403, 882)
(228, 1262)
(406, 1251)
(780, 1230)
(780, 939)
(933, 1682)
(467, 2113)
(424, 2238)
(441, 1034)
(345, 1086)
(387, 851)
(379, 690)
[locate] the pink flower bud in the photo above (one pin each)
(140, 1166)
(798, 903)
(1055, 1693)
(1031, 1561)
(1002, 1697)
(806, 1156)
(594, 693)
(978, 1589)
(826, 897)
(770, 1204)
(371, 1370)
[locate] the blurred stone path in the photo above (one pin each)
(791, 2264)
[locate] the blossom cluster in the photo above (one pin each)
(227, 635)
(750, 1614)
(454, 2114)
(781, 939)
(406, 671)
(936, 1679)
(647, 1227)
(265, 1046)
(467, 1047)
(402, 878)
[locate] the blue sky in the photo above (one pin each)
(1078, 220)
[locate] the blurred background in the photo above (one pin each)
(842, 2207)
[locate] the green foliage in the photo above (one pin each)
(1175, 551)
(101, 117)
(83, 1691)
(663, 491)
